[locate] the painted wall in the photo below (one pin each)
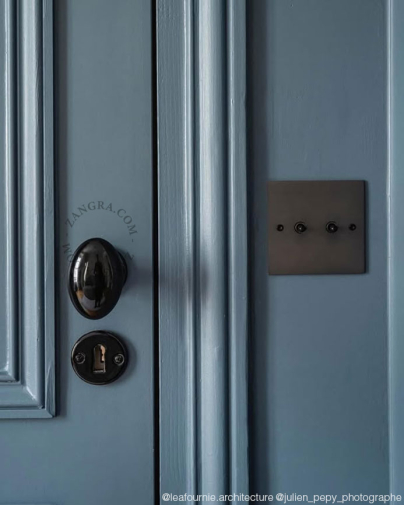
(319, 388)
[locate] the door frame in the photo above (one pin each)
(395, 174)
(202, 246)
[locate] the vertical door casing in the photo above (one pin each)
(201, 76)
(395, 11)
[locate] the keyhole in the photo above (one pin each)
(99, 358)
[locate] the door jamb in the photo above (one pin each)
(202, 235)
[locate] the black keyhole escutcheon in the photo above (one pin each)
(99, 357)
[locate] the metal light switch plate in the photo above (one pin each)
(308, 207)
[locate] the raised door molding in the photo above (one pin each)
(201, 79)
(27, 315)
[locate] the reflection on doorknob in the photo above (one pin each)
(97, 275)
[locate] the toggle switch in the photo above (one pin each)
(331, 227)
(316, 227)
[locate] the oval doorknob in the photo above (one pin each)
(97, 275)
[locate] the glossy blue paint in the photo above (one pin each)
(317, 83)
(237, 246)
(177, 248)
(213, 312)
(202, 247)
(8, 268)
(99, 449)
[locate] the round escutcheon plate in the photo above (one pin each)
(99, 357)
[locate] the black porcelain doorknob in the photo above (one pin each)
(97, 275)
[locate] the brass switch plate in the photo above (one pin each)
(316, 250)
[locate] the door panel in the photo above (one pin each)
(27, 317)
(99, 447)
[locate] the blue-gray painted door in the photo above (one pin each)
(76, 162)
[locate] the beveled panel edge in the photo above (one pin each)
(49, 211)
(10, 372)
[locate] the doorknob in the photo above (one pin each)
(97, 275)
